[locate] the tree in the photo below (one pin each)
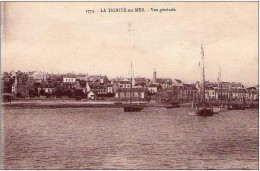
(79, 93)
(36, 93)
(42, 92)
(31, 93)
(69, 93)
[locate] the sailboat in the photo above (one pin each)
(132, 107)
(203, 109)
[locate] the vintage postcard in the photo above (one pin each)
(129, 85)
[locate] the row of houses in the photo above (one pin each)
(37, 83)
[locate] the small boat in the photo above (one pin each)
(237, 107)
(206, 112)
(173, 105)
(203, 110)
(169, 107)
(133, 108)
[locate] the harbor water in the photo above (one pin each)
(108, 138)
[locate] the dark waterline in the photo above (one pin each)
(156, 138)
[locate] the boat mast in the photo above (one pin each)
(203, 74)
(131, 72)
(220, 84)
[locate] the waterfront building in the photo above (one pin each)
(140, 85)
(253, 93)
(177, 82)
(152, 89)
(221, 93)
(110, 88)
(82, 77)
(238, 93)
(98, 80)
(136, 93)
(91, 95)
(210, 92)
(80, 87)
(124, 84)
(55, 79)
(140, 82)
(38, 76)
(47, 88)
(100, 89)
(69, 78)
(192, 92)
(164, 82)
(171, 93)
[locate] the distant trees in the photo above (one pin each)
(31, 93)
(42, 92)
(6, 87)
(69, 93)
(79, 93)
(57, 92)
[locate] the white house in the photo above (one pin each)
(136, 93)
(109, 88)
(91, 95)
(210, 92)
(88, 89)
(14, 88)
(48, 88)
(152, 88)
(69, 79)
(38, 76)
(124, 84)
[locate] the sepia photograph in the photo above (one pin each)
(130, 85)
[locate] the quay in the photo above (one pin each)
(72, 103)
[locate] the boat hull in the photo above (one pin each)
(133, 109)
(169, 107)
(205, 112)
(238, 107)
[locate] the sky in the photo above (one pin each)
(59, 37)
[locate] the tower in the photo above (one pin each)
(154, 76)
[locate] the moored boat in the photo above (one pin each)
(206, 112)
(132, 107)
(169, 107)
(173, 105)
(203, 109)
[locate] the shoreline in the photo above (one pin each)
(38, 104)
(62, 104)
